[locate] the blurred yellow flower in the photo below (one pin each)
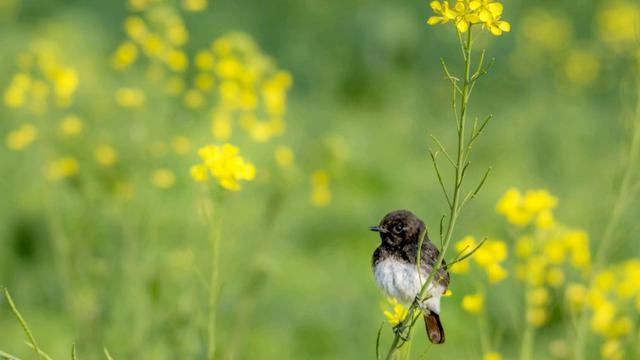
(582, 67)
(396, 313)
(125, 55)
(194, 5)
(612, 350)
(521, 209)
(536, 316)
(105, 155)
(181, 145)
(163, 178)
(70, 125)
(617, 23)
(320, 193)
(538, 296)
(576, 294)
(193, 99)
(284, 156)
(204, 60)
(225, 165)
(555, 277)
(130, 97)
(199, 173)
(21, 137)
(473, 303)
(61, 168)
(492, 356)
(177, 60)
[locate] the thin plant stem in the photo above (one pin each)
(455, 207)
(213, 223)
(23, 323)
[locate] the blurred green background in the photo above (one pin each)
(367, 92)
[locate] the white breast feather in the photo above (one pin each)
(400, 280)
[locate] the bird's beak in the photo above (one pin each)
(374, 228)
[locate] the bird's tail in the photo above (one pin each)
(434, 327)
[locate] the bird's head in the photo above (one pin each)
(399, 226)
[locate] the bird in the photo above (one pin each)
(395, 271)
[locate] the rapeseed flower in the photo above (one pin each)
(473, 303)
(396, 313)
(320, 193)
(225, 165)
(62, 168)
(465, 14)
(22, 137)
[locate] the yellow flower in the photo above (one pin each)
(582, 67)
(21, 138)
(554, 250)
(492, 356)
(129, 97)
(71, 125)
(555, 277)
(105, 155)
(467, 244)
(193, 99)
(545, 220)
(204, 60)
(203, 81)
(443, 13)
(284, 156)
(125, 55)
(177, 60)
(524, 247)
(225, 165)
(62, 168)
(602, 318)
(199, 173)
(163, 178)
(194, 5)
(473, 303)
(539, 200)
(461, 267)
(320, 193)
(65, 82)
(536, 316)
(617, 24)
(612, 350)
(397, 313)
(496, 273)
(181, 145)
(538, 296)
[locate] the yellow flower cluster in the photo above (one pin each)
(249, 89)
(225, 165)
(617, 24)
(41, 77)
(21, 137)
(488, 257)
(534, 205)
(320, 192)
(547, 254)
(614, 301)
(395, 312)
(466, 13)
(188, 5)
(159, 33)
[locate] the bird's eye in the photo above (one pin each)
(398, 229)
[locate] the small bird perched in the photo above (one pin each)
(394, 267)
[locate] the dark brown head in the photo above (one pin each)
(399, 226)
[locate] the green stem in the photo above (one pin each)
(622, 201)
(454, 209)
(23, 323)
(214, 224)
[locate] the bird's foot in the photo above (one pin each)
(398, 330)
